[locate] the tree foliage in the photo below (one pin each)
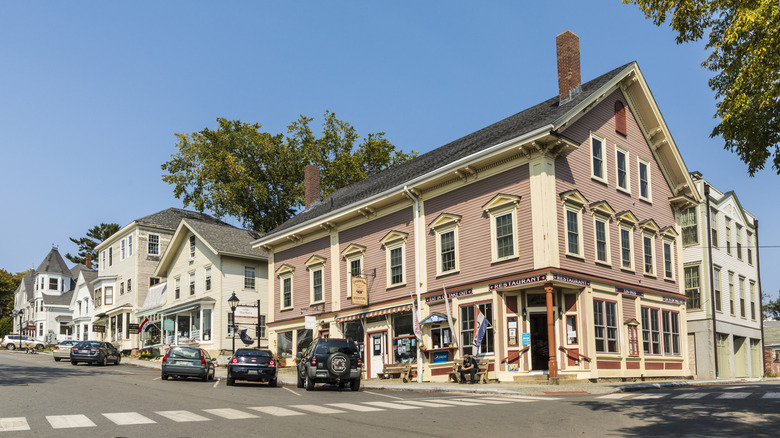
(744, 39)
(257, 177)
(772, 308)
(87, 244)
(8, 284)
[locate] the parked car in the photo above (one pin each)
(94, 352)
(62, 350)
(252, 364)
(182, 361)
(330, 361)
(11, 342)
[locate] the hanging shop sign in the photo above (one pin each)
(133, 328)
(168, 325)
(99, 328)
(519, 282)
(360, 291)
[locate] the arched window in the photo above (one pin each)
(620, 118)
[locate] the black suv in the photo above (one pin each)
(330, 361)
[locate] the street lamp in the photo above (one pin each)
(233, 302)
(14, 314)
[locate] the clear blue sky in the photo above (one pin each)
(91, 93)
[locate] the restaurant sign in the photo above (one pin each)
(571, 280)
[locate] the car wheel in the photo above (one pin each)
(39, 347)
(230, 381)
(205, 377)
(118, 359)
(104, 362)
(309, 383)
(11, 347)
(74, 362)
(300, 380)
(57, 359)
(272, 383)
(355, 385)
(164, 376)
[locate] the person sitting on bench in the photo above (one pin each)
(469, 367)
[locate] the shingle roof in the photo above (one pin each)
(171, 217)
(62, 300)
(514, 126)
(90, 275)
(53, 264)
(225, 238)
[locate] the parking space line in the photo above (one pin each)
(292, 391)
(215, 384)
(383, 395)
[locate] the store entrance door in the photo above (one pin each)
(378, 351)
(540, 353)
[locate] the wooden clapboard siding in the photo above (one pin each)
(573, 171)
(296, 257)
(369, 235)
(474, 245)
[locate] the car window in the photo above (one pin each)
(184, 353)
(336, 346)
(88, 344)
(254, 353)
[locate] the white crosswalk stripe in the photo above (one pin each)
(276, 411)
(13, 423)
(390, 405)
(69, 421)
(771, 395)
(128, 418)
(455, 402)
(523, 398)
(317, 409)
(733, 395)
(426, 404)
(691, 395)
(651, 396)
(182, 416)
(617, 395)
(230, 414)
(355, 407)
(488, 401)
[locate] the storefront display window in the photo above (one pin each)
(404, 341)
(304, 339)
(284, 343)
(206, 325)
(468, 325)
(354, 330)
(440, 336)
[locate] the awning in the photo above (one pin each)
(380, 312)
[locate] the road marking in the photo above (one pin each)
(292, 391)
(733, 395)
(392, 405)
(215, 384)
(383, 395)
(13, 423)
(523, 397)
(354, 407)
(691, 395)
(317, 409)
(275, 411)
(182, 416)
(426, 404)
(68, 421)
(771, 395)
(489, 401)
(652, 396)
(127, 418)
(617, 395)
(456, 402)
(230, 414)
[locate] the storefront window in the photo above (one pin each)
(284, 343)
(354, 330)
(571, 329)
(468, 325)
(195, 326)
(206, 324)
(304, 339)
(183, 328)
(440, 336)
(404, 341)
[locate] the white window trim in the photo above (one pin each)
(351, 253)
(122, 249)
(652, 255)
(283, 273)
(149, 239)
(314, 264)
(669, 242)
(578, 212)
(244, 278)
(649, 197)
(603, 178)
(207, 275)
(498, 206)
(393, 240)
(605, 219)
(630, 230)
(626, 189)
(192, 244)
(191, 283)
(441, 225)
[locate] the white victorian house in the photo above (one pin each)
(82, 305)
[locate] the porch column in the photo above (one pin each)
(552, 364)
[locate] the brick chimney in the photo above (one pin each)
(88, 261)
(311, 184)
(567, 45)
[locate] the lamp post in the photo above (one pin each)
(233, 302)
(14, 314)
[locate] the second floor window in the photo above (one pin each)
(692, 289)
(601, 241)
(109, 290)
(626, 258)
(177, 288)
(716, 283)
(396, 265)
(688, 224)
(572, 232)
(597, 153)
(192, 283)
(208, 278)
(316, 285)
(249, 277)
(287, 292)
(504, 236)
(154, 244)
(447, 242)
(648, 254)
(668, 271)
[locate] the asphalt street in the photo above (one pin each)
(44, 398)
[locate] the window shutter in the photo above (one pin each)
(620, 118)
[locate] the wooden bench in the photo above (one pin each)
(482, 372)
(403, 370)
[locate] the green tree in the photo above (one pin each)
(257, 177)
(8, 284)
(744, 39)
(87, 244)
(772, 308)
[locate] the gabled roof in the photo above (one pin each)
(58, 300)
(53, 264)
(529, 120)
(171, 217)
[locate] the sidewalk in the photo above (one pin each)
(287, 377)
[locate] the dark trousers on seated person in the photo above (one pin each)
(472, 372)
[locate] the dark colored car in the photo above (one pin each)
(252, 364)
(94, 352)
(331, 360)
(188, 362)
